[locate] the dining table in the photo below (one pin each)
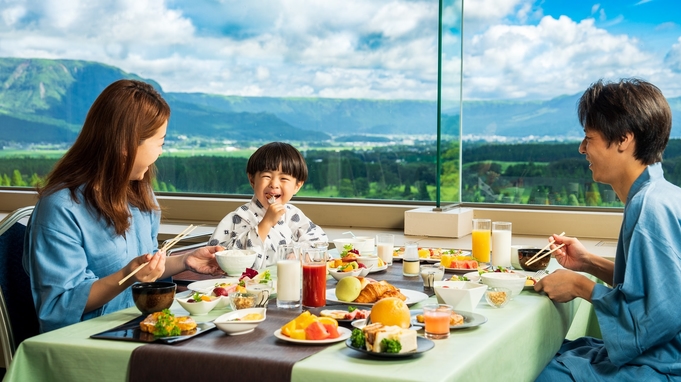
(514, 343)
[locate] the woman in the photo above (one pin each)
(97, 218)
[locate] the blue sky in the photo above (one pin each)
(514, 49)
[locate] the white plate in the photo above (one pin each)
(413, 297)
(463, 271)
(206, 286)
(470, 319)
(429, 260)
(344, 335)
(378, 269)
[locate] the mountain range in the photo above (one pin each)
(46, 101)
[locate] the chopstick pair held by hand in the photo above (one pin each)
(534, 258)
(532, 261)
(165, 248)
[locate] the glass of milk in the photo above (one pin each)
(289, 276)
(501, 244)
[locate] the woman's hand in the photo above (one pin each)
(152, 271)
(563, 286)
(202, 260)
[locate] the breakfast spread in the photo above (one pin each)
(309, 327)
(379, 338)
(164, 323)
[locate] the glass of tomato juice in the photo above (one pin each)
(436, 318)
(314, 277)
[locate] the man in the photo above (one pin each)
(626, 126)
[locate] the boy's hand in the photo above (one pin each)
(274, 212)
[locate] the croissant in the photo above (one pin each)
(374, 291)
(393, 293)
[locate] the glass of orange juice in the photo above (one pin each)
(481, 236)
(436, 318)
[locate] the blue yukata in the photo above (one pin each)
(640, 317)
(68, 248)
(239, 230)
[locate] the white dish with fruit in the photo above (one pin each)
(199, 304)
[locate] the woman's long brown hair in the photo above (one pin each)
(101, 160)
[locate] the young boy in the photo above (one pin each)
(276, 172)
(627, 126)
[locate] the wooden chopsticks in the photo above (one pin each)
(535, 259)
(165, 248)
(536, 256)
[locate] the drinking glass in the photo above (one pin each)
(410, 259)
(314, 277)
(436, 318)
(430, 273)
(385, 242)
(501, 244)
(262, 291)
(289, 274)
(481, 240)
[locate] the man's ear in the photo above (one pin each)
(299, 185)
(625, 142)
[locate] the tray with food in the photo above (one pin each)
(160, 327)
(431, 254)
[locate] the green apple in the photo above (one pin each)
(348, 288)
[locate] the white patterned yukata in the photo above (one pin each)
(239, 230)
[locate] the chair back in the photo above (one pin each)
(18, 318)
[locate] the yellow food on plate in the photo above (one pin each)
(424, 253)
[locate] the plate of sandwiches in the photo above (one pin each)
(374, 334)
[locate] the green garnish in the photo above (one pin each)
(463, 278)
(165, 325)
(351, 308)
(266, 277)
(391, 346)
(357, 338)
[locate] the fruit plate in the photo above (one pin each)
(422, 346)
(341, 309)
(470, 320)
(344, 335)
(431, 259)
(413, 297)
(462, 271)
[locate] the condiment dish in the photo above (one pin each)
(198, 308)
(515, 282)
(231, 323)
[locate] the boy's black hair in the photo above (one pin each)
(274, 155)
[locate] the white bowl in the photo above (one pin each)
(339, 275)
(514, 282)
(368, 261)
(461, 295)
(235, 261)
(358, 244)
(227, 325)
(198, 308)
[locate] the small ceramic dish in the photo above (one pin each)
(241, 321)
(198, 308)
(339, 275)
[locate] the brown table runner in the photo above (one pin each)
(251, 357)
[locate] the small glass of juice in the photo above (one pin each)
(436, 318)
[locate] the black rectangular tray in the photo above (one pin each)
(130, 331)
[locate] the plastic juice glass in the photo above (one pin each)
(314, 277)
(481, 237)
(436, 318)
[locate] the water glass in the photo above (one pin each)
(289, 275)
(385, 243)
(501, 244)
(481, 236)
(314, 277)
(436, 318)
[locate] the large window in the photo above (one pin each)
(376, 94)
